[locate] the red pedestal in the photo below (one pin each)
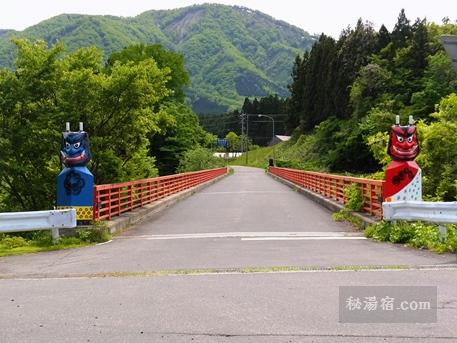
(403, 182)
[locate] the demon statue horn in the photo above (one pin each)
(403, 175)
(75, 183)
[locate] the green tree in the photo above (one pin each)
(368, 88)
(438, 157)
(233, 141)
(179, 77)
(402, 31)
(179, 132)
(295, 102)
(199, 159)
(46, 90)
(179, 126)
(384, 38)
(439, 80)
(354, 48)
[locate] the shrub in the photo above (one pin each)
(416, 234)
(199, 159)
(14, 242)
(354, 198)
(97, 233)
(379, 231)
(345, 215)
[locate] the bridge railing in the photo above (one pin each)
(332, 186)
(111, 200)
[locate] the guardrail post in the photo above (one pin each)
(55, 235)
(443, 232)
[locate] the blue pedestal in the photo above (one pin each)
(75, 189)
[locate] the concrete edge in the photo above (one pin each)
(127, 219)
(330, 204)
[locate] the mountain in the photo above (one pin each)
(230, 52)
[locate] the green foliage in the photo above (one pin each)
(132, 120)
(438, 157)
(164, 59)
(180, 131)
(36, 241)
(256, 158)
(368, 87)
(96, 233)
(300, 153)
(230, 52)
(335, 145)
(353, 196)
(378, 146)
(369, 78)
(260, 129)
(199, 159)
(414, 234)
(14, 242)
(233, 141)
(346, 215)
(438, 81)
(46, 90)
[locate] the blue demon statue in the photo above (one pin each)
(74, 149)
(75, 183)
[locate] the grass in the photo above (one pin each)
(5, 250)
(241, 270)
(38, 241)
(256, 158)
(346, 215)
(415, 234)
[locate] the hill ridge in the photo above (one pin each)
(230, 51)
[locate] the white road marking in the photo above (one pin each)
(296, 238)
(244, 192)
(103, 243)
(254, 235)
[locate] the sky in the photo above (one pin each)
(314, 16)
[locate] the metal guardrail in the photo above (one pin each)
(332, 186)
(433, 212)
(38, 220)
(111, 200)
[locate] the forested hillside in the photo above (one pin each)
(133, 108)
(345, 95)
(230, 52)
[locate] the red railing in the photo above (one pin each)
(113, 199)
(332, 186)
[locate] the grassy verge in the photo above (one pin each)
(256, 158)
(415, 234)
(37, 241)
(346, 215)
(412, 234)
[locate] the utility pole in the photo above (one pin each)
(242, 132)
(247, 137)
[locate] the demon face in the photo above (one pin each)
(74, 149)
(403, 144)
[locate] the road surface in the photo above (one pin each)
(245, 260)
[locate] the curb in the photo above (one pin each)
(122, 222)
(331, 205)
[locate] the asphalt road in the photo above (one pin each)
(245, 260)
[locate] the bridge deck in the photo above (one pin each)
(246, 220)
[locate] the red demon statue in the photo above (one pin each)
(403, 175)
